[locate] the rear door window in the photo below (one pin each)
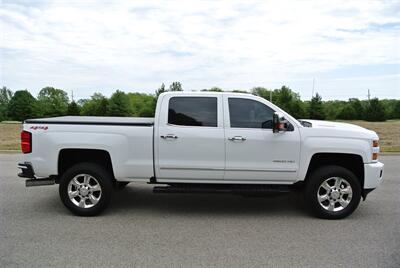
(193, 111)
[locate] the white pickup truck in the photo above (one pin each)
(203, 142)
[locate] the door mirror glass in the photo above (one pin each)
(279, 123)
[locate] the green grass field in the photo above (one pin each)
(389, 134)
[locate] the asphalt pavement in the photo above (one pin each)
(142, 229)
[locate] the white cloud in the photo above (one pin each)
(233, 44)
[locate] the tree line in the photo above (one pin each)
(50, 102)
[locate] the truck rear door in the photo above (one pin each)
(190, 138)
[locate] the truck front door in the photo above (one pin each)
(253, 152)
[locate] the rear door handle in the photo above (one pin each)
(169, 136)
(237, 138)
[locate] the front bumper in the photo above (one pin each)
(373, 175)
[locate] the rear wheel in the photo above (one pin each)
(332, 192)
(85, 189)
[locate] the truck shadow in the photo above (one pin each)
(141, 198)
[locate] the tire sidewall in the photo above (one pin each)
(315, 182)
(103, 178)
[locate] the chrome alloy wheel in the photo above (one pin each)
(334, 194)
(84, 191)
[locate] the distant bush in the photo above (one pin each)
(375, 111)
(55, 102)
(22, 106)
(52, 102)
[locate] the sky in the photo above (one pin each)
(345, 47)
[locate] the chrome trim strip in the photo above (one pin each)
(226, 181)
(183, 168)
(230, 169)
(262, 170)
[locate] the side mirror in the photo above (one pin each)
(279, 123)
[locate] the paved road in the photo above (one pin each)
(141, 229)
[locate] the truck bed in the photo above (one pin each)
(94, 120)
(128, 142)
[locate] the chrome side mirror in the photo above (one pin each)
(279, 123)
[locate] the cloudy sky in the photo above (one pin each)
(87, 46)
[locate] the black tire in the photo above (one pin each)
(313, 186)
(103, 178)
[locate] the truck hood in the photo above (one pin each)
(338, 129)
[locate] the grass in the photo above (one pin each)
(389, 134)
(10, 135)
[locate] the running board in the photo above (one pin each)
(209, 189)
(39, 182)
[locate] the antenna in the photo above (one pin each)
(72, 95)
(369, 95)
(270, 96)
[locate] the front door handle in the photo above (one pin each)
(169, 136)
(237, 138)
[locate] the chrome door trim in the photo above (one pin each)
(195, 168)
(261, 170)
(229, 169)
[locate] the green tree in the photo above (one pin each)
(332, 108)
(5, 97)
(119, 104)
(375, 111)
(316, 109)
(283, 97)
(390, 107)
(73, 109)
(289, 101)
(147, 111)
(358, 108)
(347, 112)
(160, 90)
(141, 104)
(240, 91)
(297, 109)
(53, 101)
(175, 86)
(96, 106)
(350, 110)
(213, 89)
(263, 93)
(396, 110)
(22, 106)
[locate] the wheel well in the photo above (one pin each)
(352, 162)
(70, 157)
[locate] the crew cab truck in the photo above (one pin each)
(202, 142)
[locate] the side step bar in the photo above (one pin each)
(39, 182)
(222, 189)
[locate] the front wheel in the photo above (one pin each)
(85, 189)
(332, 192)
